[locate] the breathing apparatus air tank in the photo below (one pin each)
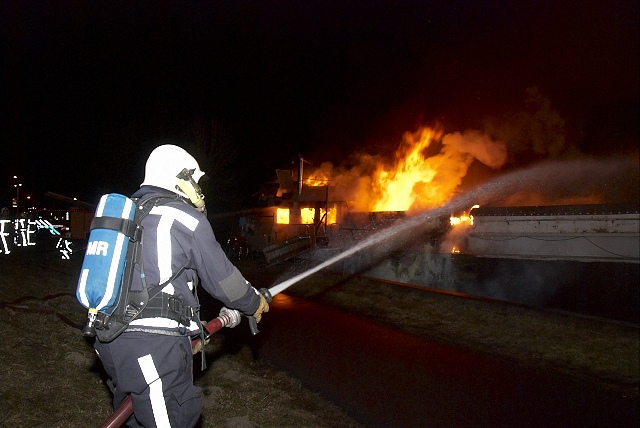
(104, 262)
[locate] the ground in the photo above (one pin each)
(600, 350)
(51, 377)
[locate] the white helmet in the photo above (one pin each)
(165, 168)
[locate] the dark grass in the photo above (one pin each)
(50, 376)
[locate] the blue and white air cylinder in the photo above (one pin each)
(104, 261)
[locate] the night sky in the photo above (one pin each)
(89, 88)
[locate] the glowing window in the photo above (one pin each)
(307, 215)
(282, 216)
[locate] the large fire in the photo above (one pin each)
(397, 186)
(413, 180)
(426, 172)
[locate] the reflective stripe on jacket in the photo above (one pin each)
(176, 235)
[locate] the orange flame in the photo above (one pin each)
(317, 181)
(460, 225)
(463, 219)
(307, 215)
(425, 173)
(397, 186)
(418, 181)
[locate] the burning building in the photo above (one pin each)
(330, 204)
(474, 241)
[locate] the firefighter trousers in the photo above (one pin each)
(157, 372)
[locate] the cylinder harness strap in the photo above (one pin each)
(168, 306)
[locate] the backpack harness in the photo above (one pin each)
(138, 304)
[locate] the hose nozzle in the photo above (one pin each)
(253, 324)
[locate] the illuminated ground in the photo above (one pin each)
(604, 352)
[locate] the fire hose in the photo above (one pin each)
(227, 318)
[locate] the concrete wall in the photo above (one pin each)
(585, 236)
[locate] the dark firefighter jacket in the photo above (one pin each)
(176, 236)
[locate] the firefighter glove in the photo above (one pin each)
(262, 307)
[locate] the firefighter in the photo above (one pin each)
(152, 360)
